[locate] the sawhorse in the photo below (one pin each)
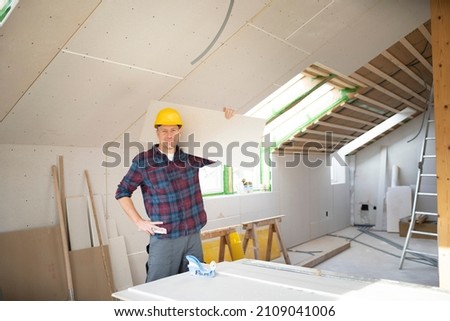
(224, 234)
(250, 234)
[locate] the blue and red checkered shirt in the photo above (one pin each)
(170, 189)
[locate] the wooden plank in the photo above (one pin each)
(106, 263)
(64, 237)
(218, 232)
(98, 203)
(263, 221)
(62, 191)
(325, 255)
(440, 26)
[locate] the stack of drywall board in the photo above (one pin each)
(32, 264)
(253, 280)
(86, 243)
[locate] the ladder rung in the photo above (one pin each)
(428, 175)
(431, 120)
(427, 194)
(424, 233)
(427, 213)
(429, 156)
(430, 138)
(423, 253)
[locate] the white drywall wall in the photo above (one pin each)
(400, 153)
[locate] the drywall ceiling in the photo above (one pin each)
(80, 73)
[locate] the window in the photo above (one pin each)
(297, 104)
(212, 180)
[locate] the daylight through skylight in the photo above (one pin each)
(296, 105)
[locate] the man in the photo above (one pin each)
(170, 186)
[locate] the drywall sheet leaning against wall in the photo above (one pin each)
(207, 133)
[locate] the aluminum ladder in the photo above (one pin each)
(425, 195)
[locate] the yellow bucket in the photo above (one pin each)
(237, 252)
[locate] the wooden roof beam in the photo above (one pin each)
(425, 33)
(408, 71)
(416, 54)
(364, 111)
(353, 129)
(352, 119)
(319, 141)
(395, 82)
(387, 92)
(377, 103)
(318, 132)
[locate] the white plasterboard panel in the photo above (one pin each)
(380, 223)
(78, 223)
(177, 29)
(398, 205)
(381, 26)
(284, 17)
(262, 56)
(216, 137)
(136, 241)
(111, 227)
(100, 213)
(251, 280)
(53, 23)
(329, 20)
(137, 266)
(81, 102)
(120, 266)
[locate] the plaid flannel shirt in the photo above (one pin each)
(170, 189)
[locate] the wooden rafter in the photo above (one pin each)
(416, 54)
(408, 71)
(332, 125)
(395, 82)
(353, 119)
(364, 111)
(387, 92)
(378, 104)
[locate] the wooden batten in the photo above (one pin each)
(440, 25)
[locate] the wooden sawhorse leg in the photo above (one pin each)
(250, 234)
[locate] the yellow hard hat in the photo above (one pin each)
(168, 116)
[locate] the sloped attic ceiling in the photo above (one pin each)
(81, 73)
(397, 78)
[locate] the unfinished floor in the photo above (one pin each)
(372, 254)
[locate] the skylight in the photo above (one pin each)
(298, 104)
